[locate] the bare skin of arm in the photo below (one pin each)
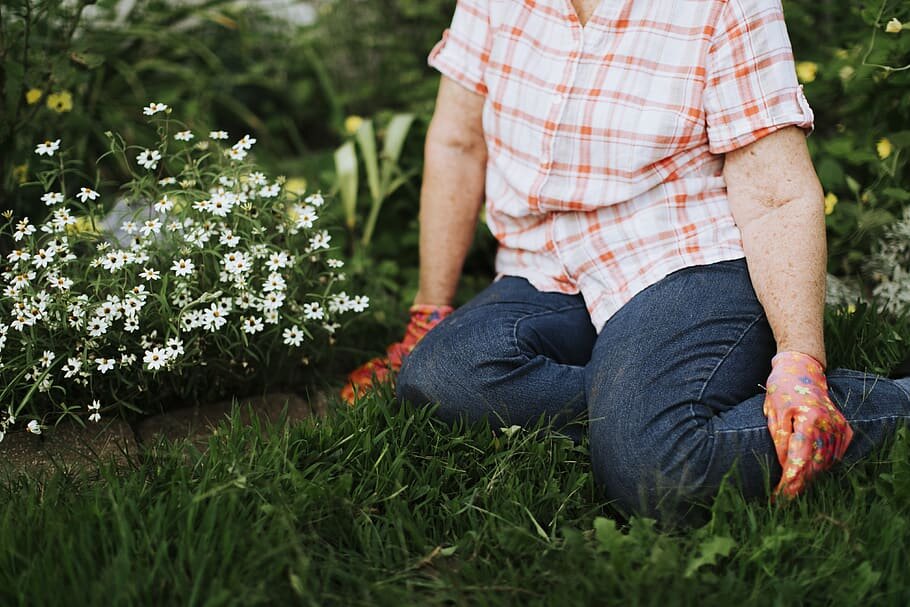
(778, 204)
(453, 190)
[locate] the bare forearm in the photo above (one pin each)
(786, 253)
(450, 201)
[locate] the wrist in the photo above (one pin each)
(800, 358)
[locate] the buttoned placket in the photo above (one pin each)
(557, 109)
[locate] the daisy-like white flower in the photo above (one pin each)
(313, 311)
(320, 240)
(95, 408)
(331, 327)
(105, 364)
(245, 143)
(236, 154)
(47, 148)
(34, 427)
(148, 159)
(183, 267)
(97, 326)
(278, 260)
(306, 216)
(130, 227)
(167, 181)
(150, 274)
(293, 336)
(18, 255)
(131, 325)
(235, 262)
(155, 358)
(315, 199)
(52, 198)
(151, 226)
(47, 358)
(360, 303)
(72, 367)
(334, 263)
(229, 239)
(273, 300)
(202, 205)
(218, 135)
(164, 205)
(257, 178)
(275, 282)
(44, 256)
(184, 136)
(270, 191)
(87, 194)
(61, 283)
(153, 108)
(252, 324)
(214, 318)
(23, 229)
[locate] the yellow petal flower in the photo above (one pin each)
(883, 147)
(352, 123)
(60, 102)
(806, 71)
(851, 309)
(33, 96)
(295, 186)
(846, 73)
(894, 26)
(20, 173)
(830, 203)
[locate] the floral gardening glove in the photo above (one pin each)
(423, 318)
(808, 431)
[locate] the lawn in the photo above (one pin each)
(383, 505)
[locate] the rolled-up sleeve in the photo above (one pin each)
(751, 87)
(464, 50)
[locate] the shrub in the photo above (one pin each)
(212, 279)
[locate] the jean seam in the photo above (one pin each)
(704, 386)
(536, 315)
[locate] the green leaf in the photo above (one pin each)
(346, 173)
(366, 139)
(609, 537)
(710, 551)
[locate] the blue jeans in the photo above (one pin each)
(671, 388)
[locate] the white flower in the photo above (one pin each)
(236, 154)
(155, 358)
(252, 324)
(72, 367)
(331, 327)
(293, 336)
(150, 274)
(270, 191)
(23, 228)
(97, 326)
(218, 135)
(167, 181)
(52, 198)
(151, 226)
(360, 303)
(278, 260)
(214, 318)
(47, 358)
(305, 217)
(153, 108)
(183, 136)
(202, 205)
(87, 194)
(164, 205)
(47, 148)
(131, 325)
(130, 227)
(229, 239)
(273, 300)
(18, 254)
(183, 267)
(44, 256)
(320, 240)
(61, 283)
(314, 199)
(334, 263)
(257, 178)
(235, 262)
(34, 427)
(245, 143)
(221, 204)
(275, 282)
(313, 311)
(105, 364)
(149, 159)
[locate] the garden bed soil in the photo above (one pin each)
(74, 448)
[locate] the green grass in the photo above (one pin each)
(381, 505)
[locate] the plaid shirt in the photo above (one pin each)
(605, 142)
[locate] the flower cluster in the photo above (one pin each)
(207, 267)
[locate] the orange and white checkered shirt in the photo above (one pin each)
(605, 142)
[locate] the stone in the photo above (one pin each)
(69, 446)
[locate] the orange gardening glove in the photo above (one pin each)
(379, 370)
(808, 431)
